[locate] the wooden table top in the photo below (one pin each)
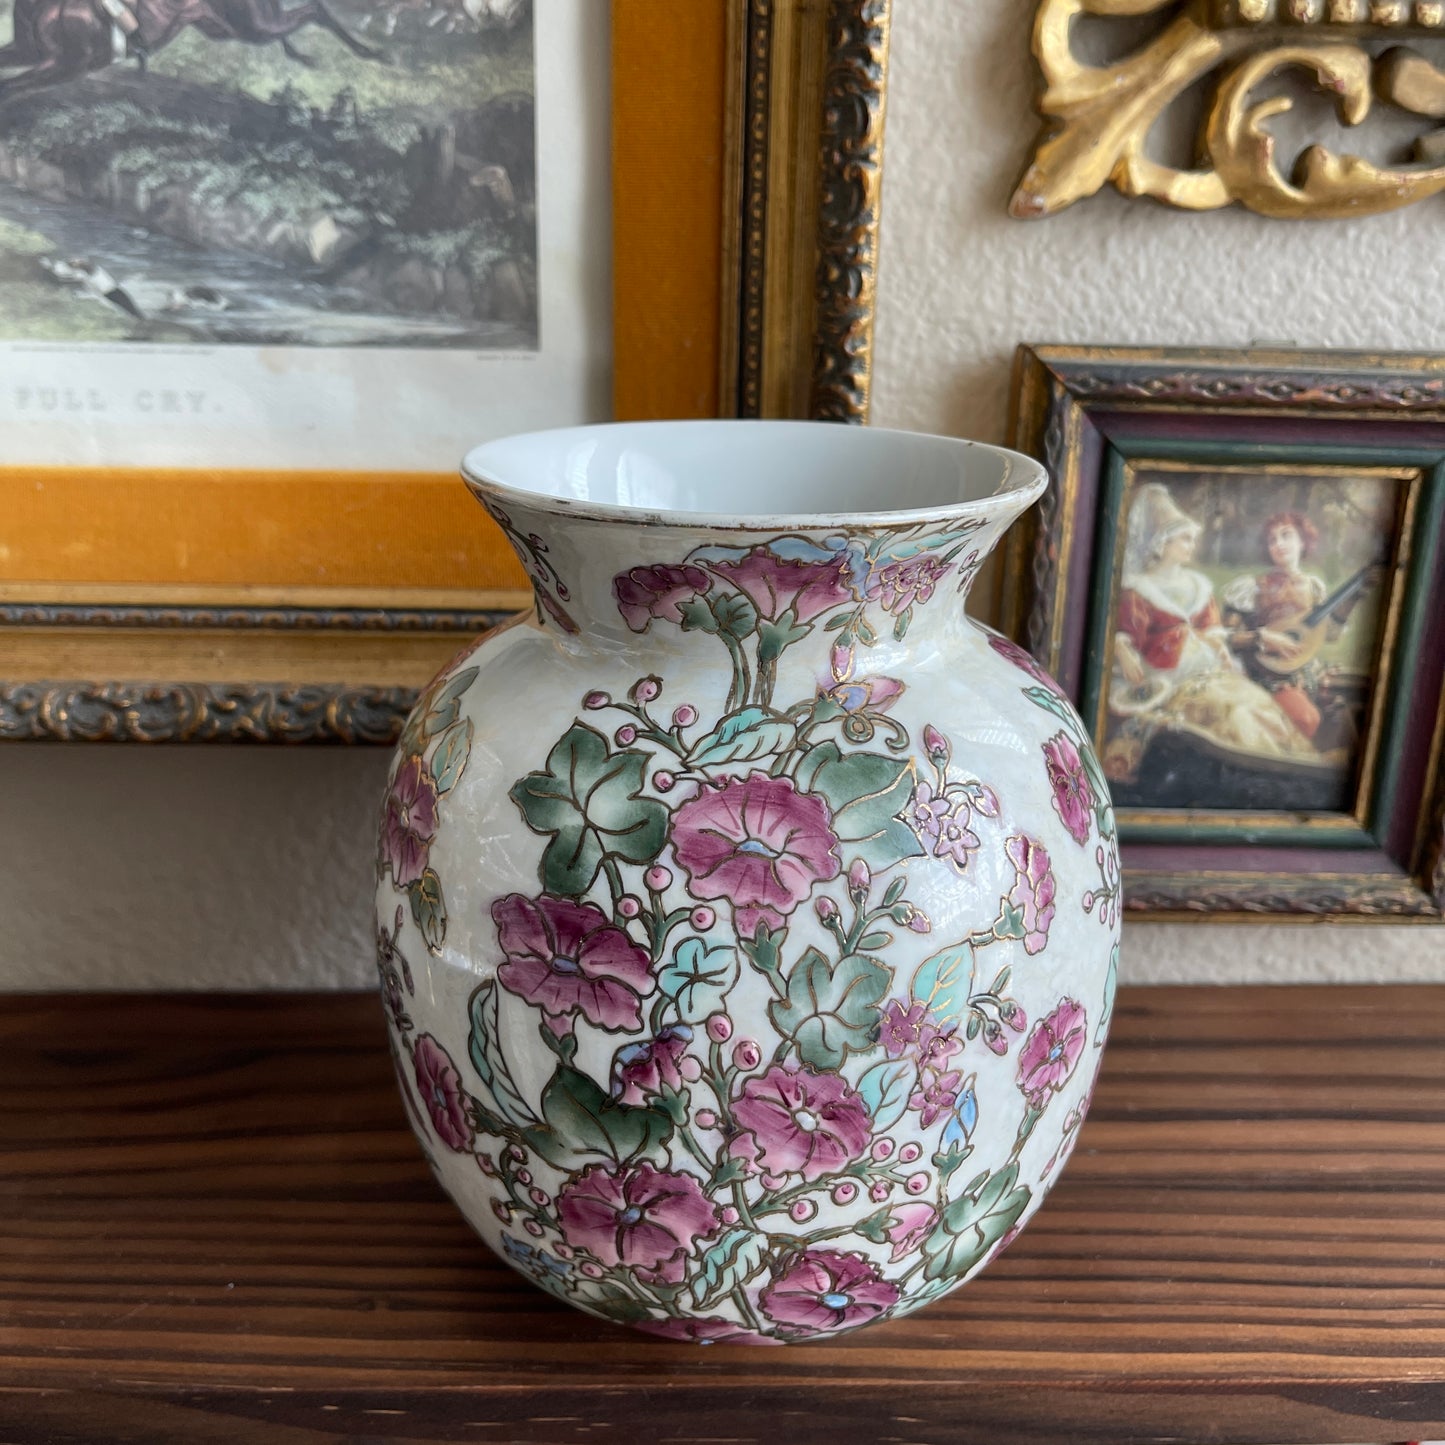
(215, 1227)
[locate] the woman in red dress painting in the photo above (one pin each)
(1172, 662)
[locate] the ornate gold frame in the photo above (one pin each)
(1099, 117)
(783, 186)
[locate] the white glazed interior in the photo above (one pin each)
(693, 473)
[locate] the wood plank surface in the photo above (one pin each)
(215, 1227)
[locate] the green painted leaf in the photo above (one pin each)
(1111, 986)
(866, 792)
(697, 615)
(589, 799)
(446, 705)
(741, 737)
(1050, 701)
(831, 1012)
(429, 910)
(485, 1048)
(885, 1088)
(581, 1119)
(972, 1225)
(775, 637)
(736, 613)
(698, 978)
(451, 755)
(732, 1261)
(944, 982)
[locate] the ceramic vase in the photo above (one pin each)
(748, 916)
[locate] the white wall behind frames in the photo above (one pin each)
(250, 867)
(960, 284)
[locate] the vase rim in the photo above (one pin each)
(538, 469)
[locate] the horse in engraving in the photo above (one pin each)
(56, 41)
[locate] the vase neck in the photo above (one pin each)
(603, 583)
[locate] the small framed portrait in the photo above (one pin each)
(1239, 578)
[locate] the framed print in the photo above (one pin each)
(1239, 579)
(270, 273)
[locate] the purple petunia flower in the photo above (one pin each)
(440, 1087)
(937, 1094)
(570, 957)
(824, 1290)
(901, 1029)
(956, 840)
(758, 843)
(641, 1071)
(1033, 890)
(899, 585)
(927, 812)
(1049, 1054)
(909, 1227)
(806, 586)
(643, 1219)
(1073, 797)
(410, 821)
(802, 1122)
(648, 592)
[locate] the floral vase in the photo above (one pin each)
(748, 917)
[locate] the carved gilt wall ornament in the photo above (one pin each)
(1098, 116)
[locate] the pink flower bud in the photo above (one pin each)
(486, 1164)
(702, 918)
(595, 700)
(592, 1271)
(685, 716)
(646, 688)
(802, 1210)
(917, 1183)
(719, 1028)
(563, 1251)
(909, 1152)
(936, 745)
(1016, 1018)
(516, 1153)
(845, 1193)
(993, 1036)
(658, 878)
(524, 1176)
(882, 1148)
(774, 1181)
(626, 735)
(539, 1197)
(747, 1054)
(826, 908)
(629, 906)
(1089, 901)
(532, 1227)
(919, 922)
(880, 1191)
(706, 1119)
(860, 880)
(842, 661)
(502, 1210)
(663, 781)
(690, 1069)
(729, 1214)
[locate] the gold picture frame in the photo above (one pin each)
(278, 607)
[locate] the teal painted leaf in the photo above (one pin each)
(698, 978)
(429, 910)
(451, 755)
(446, 705)
(866, 792)
(732, 1261)
(944, 982)
(972, 1225)
(741, 737)
(885, 1089)
(831, 1012)
(485, 1048)
(735, 613)
(581, 1119)
(1111, 986)
(589, 799)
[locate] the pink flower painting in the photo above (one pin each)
(440, 1087)
(805, 586)
(571, 958)
(1033, 890)
(1049, 1054)
(641, 1218)
(909, 1227)
(758, 843)
(645, 593)
(802, 1122)
(901, 585)
(641, 1071)
(410, 821)
(1073, 797)
(823, 1290)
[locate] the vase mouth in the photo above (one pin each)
(768, 475)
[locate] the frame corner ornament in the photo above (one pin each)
(1097, 117)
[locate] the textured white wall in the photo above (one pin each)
(960, 285)
(207, 867)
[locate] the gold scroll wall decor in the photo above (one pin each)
(1098, 116)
